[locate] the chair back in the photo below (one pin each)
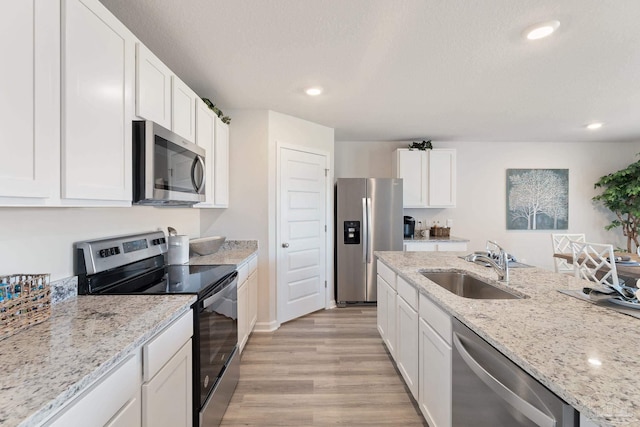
(595, 262)
(562, 245)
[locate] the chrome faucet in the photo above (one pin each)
(501, 266)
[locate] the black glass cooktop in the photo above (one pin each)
(151, 277)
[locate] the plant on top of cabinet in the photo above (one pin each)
(621, 195)
(219, 113)
(422, 146)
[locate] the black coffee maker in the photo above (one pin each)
(409, 227)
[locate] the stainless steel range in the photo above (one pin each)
(135, 264)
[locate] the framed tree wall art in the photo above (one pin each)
(537, 199)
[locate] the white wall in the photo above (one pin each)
(40, 240)
(254, 138)
(480, 213)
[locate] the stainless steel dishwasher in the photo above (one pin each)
(489, 390)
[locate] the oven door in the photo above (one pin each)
(168, 169)
(217, 333)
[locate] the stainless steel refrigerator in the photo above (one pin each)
(369, 218)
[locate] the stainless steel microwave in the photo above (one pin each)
(167, 169)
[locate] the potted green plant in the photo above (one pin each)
(621, 195)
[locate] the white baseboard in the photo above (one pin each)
(266, 326)
(332, 304)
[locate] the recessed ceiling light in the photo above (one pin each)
(594, 126)
(313, 91)
(541, 30)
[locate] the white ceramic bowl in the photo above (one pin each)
(206, 245)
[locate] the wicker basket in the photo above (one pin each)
(439, 231)
(25, 301)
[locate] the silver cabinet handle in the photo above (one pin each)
(285, 245)
(538, 417)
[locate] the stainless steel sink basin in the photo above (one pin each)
(467, 286)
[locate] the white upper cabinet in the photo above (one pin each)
(205, 138)
(442, 178)
(221, 166)
(183, 109)
(98, 63)
(429, 177)
(30, 102)
(411, 166)
(153, 88)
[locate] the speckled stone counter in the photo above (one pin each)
(430, 239)
(550, 335)
(46, 365)
(231, 252)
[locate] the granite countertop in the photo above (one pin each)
(48, 364)
(550, 335)
(417, 238)
(231, 252)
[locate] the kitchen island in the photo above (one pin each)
(550, 335)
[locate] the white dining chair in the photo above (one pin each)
(595, 262)
(562, 245)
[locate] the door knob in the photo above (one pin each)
(285, 245)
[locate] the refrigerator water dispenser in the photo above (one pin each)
(352, 232)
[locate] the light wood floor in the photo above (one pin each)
(327, 368)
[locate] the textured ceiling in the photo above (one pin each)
(409, 69)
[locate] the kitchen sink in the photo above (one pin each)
(467, 286)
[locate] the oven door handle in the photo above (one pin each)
(216, 296)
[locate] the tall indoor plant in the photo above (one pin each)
(621, 194)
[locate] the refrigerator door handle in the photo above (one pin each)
(369, 222)
(365, 230)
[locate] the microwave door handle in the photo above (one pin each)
(525, 408)
(197, 161)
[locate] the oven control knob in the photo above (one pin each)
(102, 253)
(112, 251)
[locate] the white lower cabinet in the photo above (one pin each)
(111, 400)
(407, 346)
(247, 299)
(167, 397)
(151, 387)
(435, 377)
(417, 333)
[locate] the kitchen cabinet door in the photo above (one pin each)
(153, 87)
(381, 309)
(30, 107)
(253, 293)
(421, 247)
(407, 344)
(98, 59)
(129, 415)
(167, 397)
(183, 109)
(429, 177)
(243, 314)
(391, 336)
(434, 397)
(112, 397)
(221, 166)
(205, 138)
(442, 178)
(411, 166)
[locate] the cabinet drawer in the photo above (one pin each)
(160, 349)
(243, 273)
(408, 292)
(253, 264)
(387, 274)
(107, 397)
(435, 317)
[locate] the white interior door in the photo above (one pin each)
(302, 241)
